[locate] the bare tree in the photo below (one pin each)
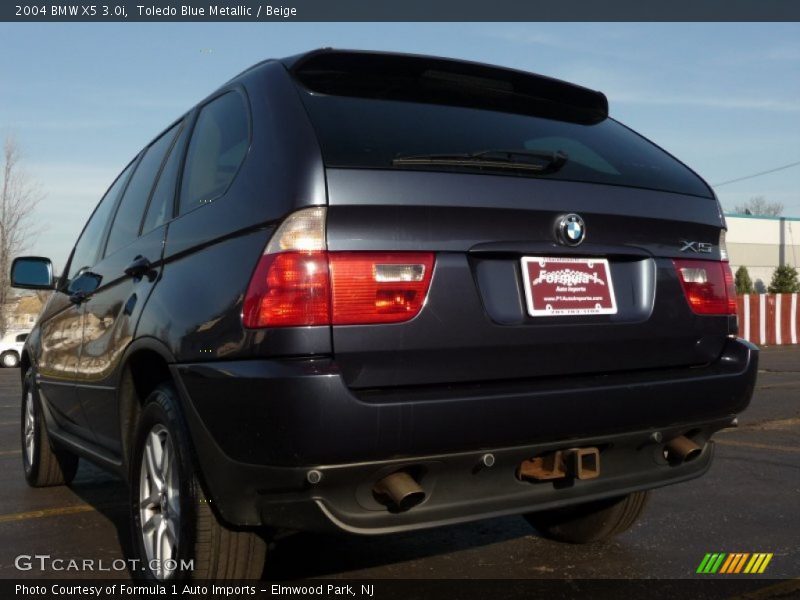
(19, 195)
(758, 205)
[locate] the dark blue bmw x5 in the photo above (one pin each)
(378, 292)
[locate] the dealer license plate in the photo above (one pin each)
(559, 286)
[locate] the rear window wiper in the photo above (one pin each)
(536, 161)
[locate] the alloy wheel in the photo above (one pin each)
(159, 502)
(29, 430)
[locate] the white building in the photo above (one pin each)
(761, 244)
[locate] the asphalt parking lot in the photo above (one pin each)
(748, 502)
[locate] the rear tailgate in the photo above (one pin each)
(475, 325)
(477, 164)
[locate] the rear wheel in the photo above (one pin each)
(9, 359)
(44, 464)
(173, 524)
(590, 522)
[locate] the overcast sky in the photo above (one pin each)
(82, 99)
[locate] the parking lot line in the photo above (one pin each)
(728, 442)
(46, 512)
(10, 452)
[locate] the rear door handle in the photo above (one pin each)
(139, 267)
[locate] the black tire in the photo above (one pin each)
(9, 359)
(217, 551)
(44, 464)
(590, 522)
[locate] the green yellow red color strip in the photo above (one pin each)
(734, 562)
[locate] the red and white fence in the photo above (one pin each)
(769, 319)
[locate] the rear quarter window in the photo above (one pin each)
(219, 143)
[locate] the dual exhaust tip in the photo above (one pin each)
(403, 492)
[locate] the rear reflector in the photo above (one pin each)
(708, 286)
(298, 283)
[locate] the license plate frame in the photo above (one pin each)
(580, 286)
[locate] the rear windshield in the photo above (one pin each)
(372, 133)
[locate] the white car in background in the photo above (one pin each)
(11, 348)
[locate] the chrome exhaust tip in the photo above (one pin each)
(682, 449)
(403, 491)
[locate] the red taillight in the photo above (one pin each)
(290, 289)
(378, 287)
(708, 286)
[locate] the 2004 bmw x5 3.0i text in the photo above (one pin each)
(374, 293)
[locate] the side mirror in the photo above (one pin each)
(32, 273)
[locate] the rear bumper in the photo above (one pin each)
(259, 426)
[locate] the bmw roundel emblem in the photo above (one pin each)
(571, 229)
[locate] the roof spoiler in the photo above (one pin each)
(414, 78)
